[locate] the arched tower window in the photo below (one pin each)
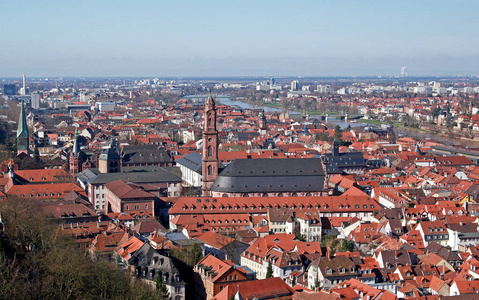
(210, 151)
(210, 170)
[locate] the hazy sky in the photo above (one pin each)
(229, 38)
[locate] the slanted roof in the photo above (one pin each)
(191, 161)
(271, 175)
(159, 175)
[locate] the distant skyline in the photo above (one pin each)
(238, 38)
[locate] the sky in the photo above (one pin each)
(238, 38)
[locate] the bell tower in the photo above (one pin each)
(262, 123)
(209, 166)
(75, 156)
(22, 133)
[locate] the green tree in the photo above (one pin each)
(38, 262)
(317, 283)
(161, 289)
(190, 255)
(269, 270)
(325, 239)
(338, 133)
(392, 137)
(36, 154)
(346, 245)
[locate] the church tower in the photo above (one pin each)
(210, 147)
(109, 160)
(22, 133)
(74, 159)
(262, 123)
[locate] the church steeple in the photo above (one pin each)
(210, 146)
(76, 144)
(22, 133)
(262, 123)
(76, 159)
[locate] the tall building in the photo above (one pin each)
(23, 91)
(210, 147)
(22, 133)
(295, 85)
(35, 101)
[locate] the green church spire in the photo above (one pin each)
(22, 132)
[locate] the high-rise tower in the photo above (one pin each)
(210, 147)
(24, 89)
(22, 133)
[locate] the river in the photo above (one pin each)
(226, 100)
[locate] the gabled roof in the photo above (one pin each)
(266, 289)
(271, 175)
(127, 190)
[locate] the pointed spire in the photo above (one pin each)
(76, 144)
(418, 150)
(210, 101)
(22, 123)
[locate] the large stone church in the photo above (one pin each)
(287, 177)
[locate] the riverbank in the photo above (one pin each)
(371, 122)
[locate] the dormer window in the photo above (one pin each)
(342, 270)
(329, 271)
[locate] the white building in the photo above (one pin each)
(105, 106)
(35, 101)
